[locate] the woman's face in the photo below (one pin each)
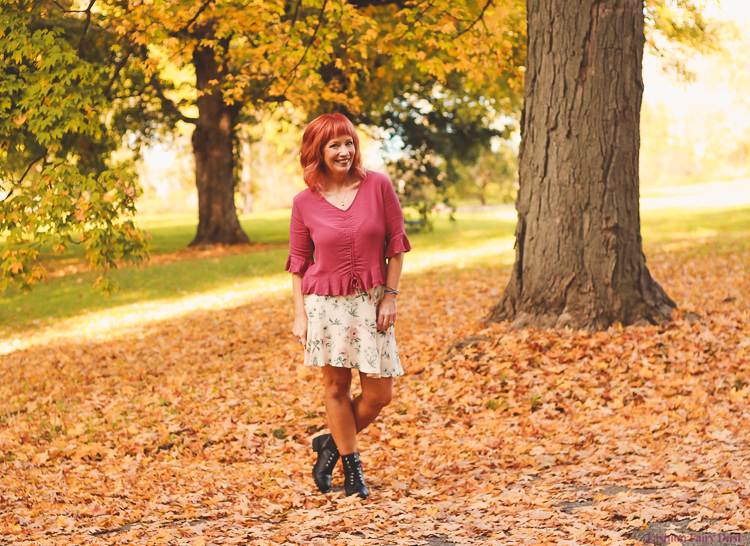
(338, 154)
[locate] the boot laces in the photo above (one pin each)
(359, 474)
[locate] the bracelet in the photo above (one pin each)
(389, 299)
(390, 290)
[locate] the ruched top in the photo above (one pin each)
(340, 252)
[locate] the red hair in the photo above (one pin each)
(322, 130)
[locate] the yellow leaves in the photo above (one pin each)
(541, 514)
(41, 458)
(63, 521)
(164, 537)
(110, 195)
(514, 496)
(77, 430)
(15, 267)
(740, 395)
(80, 211)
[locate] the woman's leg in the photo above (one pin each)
(347, 417)
(338, 401)
(376, 394)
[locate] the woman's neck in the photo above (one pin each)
(334, 183)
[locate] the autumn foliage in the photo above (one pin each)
(197, 429)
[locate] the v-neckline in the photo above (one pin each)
(347, 209)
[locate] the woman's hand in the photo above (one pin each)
(299, 330)
(386, 313)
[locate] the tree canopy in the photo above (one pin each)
(59, 183)
(82, 78)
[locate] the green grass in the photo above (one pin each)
(469, 228)
(726, 229)
(665, 224)
(173, 232)
(73, 295)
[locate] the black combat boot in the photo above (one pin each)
(354, 479)
(328, 456)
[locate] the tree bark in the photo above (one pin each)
(579, 258)
(214, 158)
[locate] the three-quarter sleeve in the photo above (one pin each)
(395, 234)
(301, 248)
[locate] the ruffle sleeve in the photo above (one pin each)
(301, 246)
(296, 264)
(396, 244)
(395, 234)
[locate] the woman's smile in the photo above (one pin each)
(338, 153)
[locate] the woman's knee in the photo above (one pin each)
(337, 383)
(380, 397)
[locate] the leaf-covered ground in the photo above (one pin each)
(195, 427)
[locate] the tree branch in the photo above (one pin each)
(370, 3)
(190, 23)
(296, 13)
(65, 10)
(481, 16)
(168, 105)
(309, 45)
(85, 26)
(20, 180)
(69, 24)
(294, 70)
(118, 68)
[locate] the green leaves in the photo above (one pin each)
(55, 187)
(677, 28)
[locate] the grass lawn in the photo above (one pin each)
(172, 275)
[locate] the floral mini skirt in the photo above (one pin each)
(342, 332)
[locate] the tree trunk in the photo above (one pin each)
(214, 159)
(579, 258)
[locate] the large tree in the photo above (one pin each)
(245, 57)
(80, 77)
(579, 258)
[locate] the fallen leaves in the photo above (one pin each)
(194, 427)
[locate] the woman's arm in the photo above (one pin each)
(299, 330)
(387, 305)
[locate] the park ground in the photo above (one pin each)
(178, 412)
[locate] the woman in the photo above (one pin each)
(346, 251)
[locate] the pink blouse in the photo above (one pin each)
(339, 252)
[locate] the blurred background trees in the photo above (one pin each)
(103, 98)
